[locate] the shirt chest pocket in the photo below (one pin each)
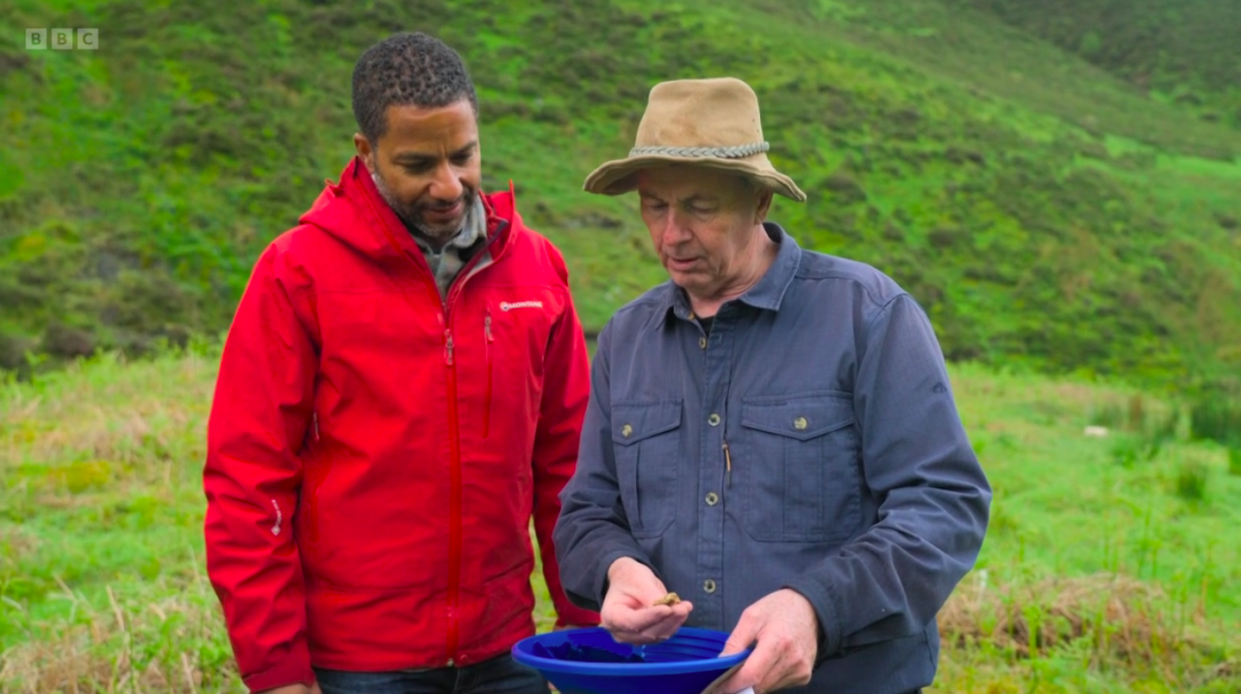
(799, 467)
(647, 443)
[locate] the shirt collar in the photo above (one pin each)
(767, 293)
(473, 228)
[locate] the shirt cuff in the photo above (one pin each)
(823, 600)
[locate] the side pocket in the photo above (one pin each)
(646, 439)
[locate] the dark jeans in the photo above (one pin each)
(501, 675)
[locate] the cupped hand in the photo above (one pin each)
(629, 610)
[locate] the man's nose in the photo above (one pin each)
(675, 229)
(447, 184)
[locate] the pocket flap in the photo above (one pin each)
(633, 422)
(801, 417)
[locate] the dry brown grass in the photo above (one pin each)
(131, 645)
(1124, 624)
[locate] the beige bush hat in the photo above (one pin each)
(712, 123)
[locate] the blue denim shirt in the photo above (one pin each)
(810, 441)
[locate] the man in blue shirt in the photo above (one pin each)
(771, 434)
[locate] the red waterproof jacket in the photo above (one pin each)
(375, 453)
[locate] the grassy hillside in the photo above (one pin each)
(1184, 51)
(1044, 211)
(1110, 564)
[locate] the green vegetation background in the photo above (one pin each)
(1058, 210)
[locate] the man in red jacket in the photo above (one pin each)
(401, 390)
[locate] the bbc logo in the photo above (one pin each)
(62, 39)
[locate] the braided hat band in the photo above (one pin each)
(711, 123)
(735, 152)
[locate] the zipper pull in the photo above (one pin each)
(487, 327)
(314, 418)
(448, 347)
(728, 467)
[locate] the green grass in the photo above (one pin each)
(1041, 208)
(1127, 582)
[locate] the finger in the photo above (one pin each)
(755, 669)
(627, 620)
(742, 637)
(667, 627)
(716, 687)
(740, 680)
(748, 677)
(641, 586)
(677, 614)
(779, 675)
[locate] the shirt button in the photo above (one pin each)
(708, 586)
(712, 499)
(702, 342)
(713, 420)
(626, 431)
(800, 423)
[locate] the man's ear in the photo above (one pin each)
(764, 206)
(365, 152)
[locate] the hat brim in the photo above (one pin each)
(619, 176)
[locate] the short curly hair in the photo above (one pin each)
(407, 69)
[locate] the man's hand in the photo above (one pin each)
(294, 689)
(785, 629)
(629, 610)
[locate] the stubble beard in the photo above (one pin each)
(411, 216)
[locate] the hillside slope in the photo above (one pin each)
(1043, 211)
(1185, 51)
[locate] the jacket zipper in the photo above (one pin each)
(487, 340)
(454, 447)
(454, 503)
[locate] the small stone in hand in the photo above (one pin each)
(669, 599)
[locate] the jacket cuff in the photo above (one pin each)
(294, 669)
(823, 600)
(568, 615)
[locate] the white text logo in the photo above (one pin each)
(506, 306)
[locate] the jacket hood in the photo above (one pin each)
(354, 212)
